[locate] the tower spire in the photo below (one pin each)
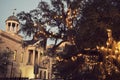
(14, 11)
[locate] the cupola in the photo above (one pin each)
(12, 24)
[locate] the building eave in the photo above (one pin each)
(18, 38)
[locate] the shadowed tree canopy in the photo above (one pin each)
(86, 21)
(96, 17)
(51, 20)
(4, 61)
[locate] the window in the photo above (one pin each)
(36, 57)
(14, 55)
(9, 24)
(44, 74)
(41, 53)
(40, 75)
(48, 75)
(13, 25)
(17, 25)
(30, 57)
(22, 57)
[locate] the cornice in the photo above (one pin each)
(13, 37)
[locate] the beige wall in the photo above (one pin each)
(20, 66)
(13, 42)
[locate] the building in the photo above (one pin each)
(29, 61)
(9, 38)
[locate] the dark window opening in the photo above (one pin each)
(9, 24)
(40, 76)
(13, 24)
(36, 57)
(30, 57)
(17, 25)
(44, 74)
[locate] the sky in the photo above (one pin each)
(7, 7)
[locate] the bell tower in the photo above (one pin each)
(12, 24)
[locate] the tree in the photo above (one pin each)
(97, 16)
(81, 22)
(4, 61)
(87, 21)
(60, 15)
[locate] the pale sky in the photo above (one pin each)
(7, 6)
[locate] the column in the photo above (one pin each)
(8, 24)
(15, 28)
(50, 69)
(38, 57)
(7, 27)
(47, 74)
(10, 27)
(33, 57)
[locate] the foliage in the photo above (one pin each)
(97, 16)
(4, 61)
(88, 65)
(87, 21)
(55, 15)
(84, 24)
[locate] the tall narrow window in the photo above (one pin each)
(13, 26)
(40, 75)
(48, 76)
(36, 57)
(9, 24)
(30, 56)
(22, 57)
(14, 55)
(44, 74)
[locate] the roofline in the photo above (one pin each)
(3, 33)
(12, 20)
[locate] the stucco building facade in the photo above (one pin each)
(29, 61)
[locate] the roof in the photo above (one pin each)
(14, 18)
(14, 37)
(29, 42)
